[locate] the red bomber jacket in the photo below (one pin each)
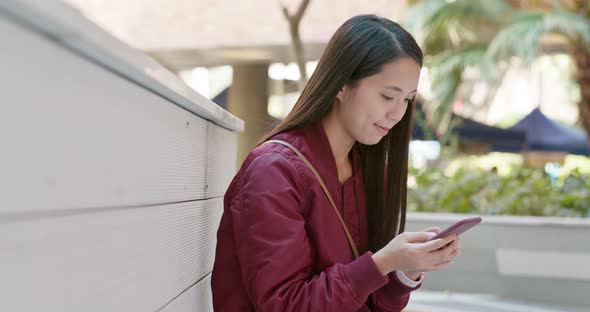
(280, 245)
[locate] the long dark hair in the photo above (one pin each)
(358, 49)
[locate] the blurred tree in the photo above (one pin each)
(488, 35)
(294, 20)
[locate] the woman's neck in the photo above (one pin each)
(340, 142)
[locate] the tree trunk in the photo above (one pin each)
(297, 45)
(298, 51)
(582, 58)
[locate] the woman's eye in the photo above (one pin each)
(387, 98)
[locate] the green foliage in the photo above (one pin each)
(486, 35)
(523, 191)
(520, 37)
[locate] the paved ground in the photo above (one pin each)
(433, 301)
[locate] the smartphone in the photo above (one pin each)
(458, 228)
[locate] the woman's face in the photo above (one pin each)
(373, 105)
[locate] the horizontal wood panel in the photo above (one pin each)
(65, 24)
(136, 259)
(197, 298)
(222, 151)
(77, 136)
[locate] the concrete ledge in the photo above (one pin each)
(539, 259)
(512, 220)
(553, 264)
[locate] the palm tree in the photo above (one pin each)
(489, 35)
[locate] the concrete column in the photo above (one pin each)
(248, 100)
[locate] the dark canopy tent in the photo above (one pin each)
(469, 130)
(543, 134)
(498, 139)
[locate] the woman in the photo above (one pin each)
(282, 245)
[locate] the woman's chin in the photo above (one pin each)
(372, 140)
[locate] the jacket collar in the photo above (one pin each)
(311, 140)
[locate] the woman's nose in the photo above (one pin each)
(396, 113)
(390, 116)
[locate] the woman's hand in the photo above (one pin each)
(411, 252)
(414, 275)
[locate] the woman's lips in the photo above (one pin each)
(383, 130)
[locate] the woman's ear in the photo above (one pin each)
(340, 94)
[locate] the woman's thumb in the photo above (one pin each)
(418, 237)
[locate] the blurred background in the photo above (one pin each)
(501, 128)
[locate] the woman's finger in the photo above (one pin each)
(417, 237)
(435, 229)
(452, 246)
(446, 252)
(456, 253)
(438, 243)
(441, 265)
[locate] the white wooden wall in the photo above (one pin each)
(111, 191)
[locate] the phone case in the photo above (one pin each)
(459, 227)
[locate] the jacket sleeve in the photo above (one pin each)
(394, 296)
(274, 252)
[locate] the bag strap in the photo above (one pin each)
(323, 185)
